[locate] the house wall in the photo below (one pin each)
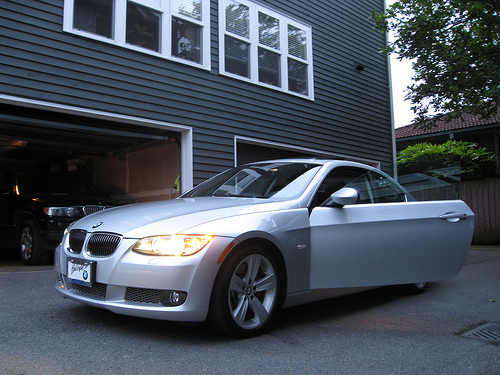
(350, 114)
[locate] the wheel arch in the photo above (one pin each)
(21, 217)
(265, 243)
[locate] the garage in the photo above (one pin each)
(60, 163)
(130, 162)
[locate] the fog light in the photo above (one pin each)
(172, 298)
(175, 298)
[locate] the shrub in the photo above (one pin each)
(475, 161)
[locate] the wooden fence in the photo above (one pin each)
(483, 197)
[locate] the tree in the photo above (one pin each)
(455, 46)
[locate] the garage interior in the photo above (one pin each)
(129, 162)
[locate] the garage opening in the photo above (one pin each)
(129, 162)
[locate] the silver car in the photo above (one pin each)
(260, 237)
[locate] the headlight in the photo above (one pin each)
(63, 211)
(175, 245)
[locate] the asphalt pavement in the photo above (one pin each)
(383, 331)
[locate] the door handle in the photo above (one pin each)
(453, 216)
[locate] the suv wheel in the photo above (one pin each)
(30, 244)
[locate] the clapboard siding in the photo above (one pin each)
(350, 114)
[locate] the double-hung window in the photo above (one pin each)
(173, 29)
(264, 47)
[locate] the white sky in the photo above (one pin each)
(401, 74)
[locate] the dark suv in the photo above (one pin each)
(36, 206)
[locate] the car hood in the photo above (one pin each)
(68, 199)
(173, 216)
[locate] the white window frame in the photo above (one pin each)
(284, 21)
(166, 11)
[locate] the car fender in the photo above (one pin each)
(287, 230)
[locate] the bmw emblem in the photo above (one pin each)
(97, 225)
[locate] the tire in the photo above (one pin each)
(31, 245)
(247, 292)
(416, 288)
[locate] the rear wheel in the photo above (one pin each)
(30, 244)
(416, 288)
(247, 293)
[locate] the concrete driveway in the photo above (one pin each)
(379, 332)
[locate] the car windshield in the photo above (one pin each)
(280, 180)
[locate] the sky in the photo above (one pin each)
(401, 73)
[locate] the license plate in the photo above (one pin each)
(81, 271)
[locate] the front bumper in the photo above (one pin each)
(138, 285)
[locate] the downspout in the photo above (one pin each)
(391, 97)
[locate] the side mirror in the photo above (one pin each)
(343, 197)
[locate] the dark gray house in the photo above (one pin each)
(145, 95)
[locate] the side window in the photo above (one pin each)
(342, 177)
(385, 190)
(372, 186)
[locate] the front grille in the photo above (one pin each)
(98, 290)
(90, 209)
(76, 240)
(103, 244)
(142, 295)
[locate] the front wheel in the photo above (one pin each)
(247, 293)
(31, 245)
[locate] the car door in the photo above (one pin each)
(385, 239)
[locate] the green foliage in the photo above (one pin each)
(475, 161)
(455, 49)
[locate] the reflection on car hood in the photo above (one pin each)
(173, 216)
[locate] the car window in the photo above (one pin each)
(342, 177)
(385, 190)
(373, 187)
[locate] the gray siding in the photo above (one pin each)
(350, 114)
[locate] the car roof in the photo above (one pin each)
(319, 161)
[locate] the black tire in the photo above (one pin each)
(247, 292)
(416, 288)
(31, 245)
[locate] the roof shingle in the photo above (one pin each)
(467, 121)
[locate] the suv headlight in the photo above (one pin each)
(63, 211)
(175, 245)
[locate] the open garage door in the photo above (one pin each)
(132, 163)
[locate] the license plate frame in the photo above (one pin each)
(81, 271)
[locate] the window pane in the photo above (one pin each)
(269, 67)
(237, 19)
(186, 40)
(94, 16)
(297, 41)
(237, 54)
(384, 190)
(297, 76)
(143, 26)
(188, 8)
(269, 31)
